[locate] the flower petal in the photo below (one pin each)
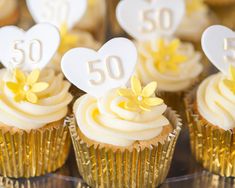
(174, 45)
(33, 77)
(136, 85)
(19, 97)
(14, 87)
(19, 76)
(155, 101)
(125, 92)
(40, 86)
(31, 97)
(131, 106)
(230, 84)
(144, 107)
(149, 89)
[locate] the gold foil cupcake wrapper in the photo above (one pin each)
(212, 146)
(104, 167)
(34, 153)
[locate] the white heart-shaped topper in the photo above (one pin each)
(57, 12)
(28, 50)
(218, 43)
(150, 19)
(98, 72)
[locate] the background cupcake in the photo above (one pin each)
(210, 109)
(175, 65)
(34, 102)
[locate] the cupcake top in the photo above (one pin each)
(122, 116)
(216, 98)
(32, 100)
(173, 64)
(197, 13)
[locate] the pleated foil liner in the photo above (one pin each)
(34, 153)
(212, 146)
(103, 167)
(40, 182)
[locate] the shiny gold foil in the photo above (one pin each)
(34, 153)
(104, 167)
(212, 146)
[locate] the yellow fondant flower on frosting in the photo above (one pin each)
(167, 57)
(138, 98)
(26, 87)
(230, 83)
(68, 40)
(91, 2)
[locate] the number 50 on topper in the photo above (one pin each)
(28, 50)
(97, 72)
(149, 19)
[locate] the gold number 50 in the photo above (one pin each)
(109, 63)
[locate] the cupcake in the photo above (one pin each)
(34, 139)
(197, 13)
(210, 111)
(34, 103)
(148, 133)
(96, 10)
(121, 136)
(175, 65)
(9, 12)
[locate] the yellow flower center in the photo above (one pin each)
(140, 98)
(26, 88)
(167, 58)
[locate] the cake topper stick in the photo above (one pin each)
(218, 43)
(97, 72)
(150, 19)
(28, 50)
(57, 12)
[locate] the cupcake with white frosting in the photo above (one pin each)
(210, 107)
(173, 64)
(211, 120)
(113, 134)
(197, 13)
(32, 130)
(9, 12)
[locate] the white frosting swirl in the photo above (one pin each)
(52, 105)
(168, 81)
(216, 102)
(194, 23)
(106, 121)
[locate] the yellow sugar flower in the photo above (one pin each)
(138, 98)
(167, 58)
(68, 40)
(230, 83)
(194, 5)
(26, 87)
